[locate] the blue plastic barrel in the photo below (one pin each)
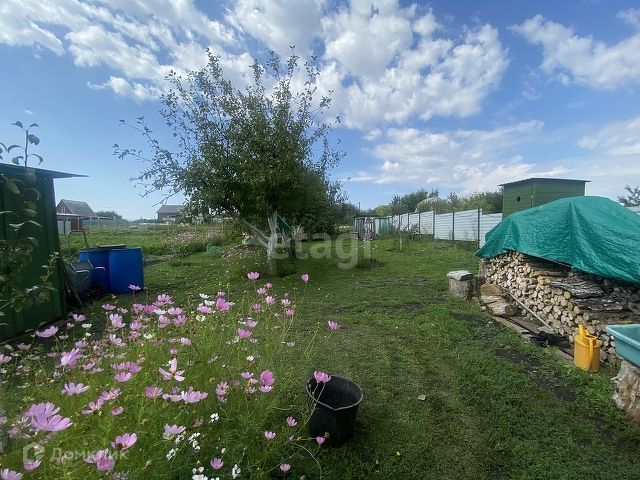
(99, 259)
(125, 268)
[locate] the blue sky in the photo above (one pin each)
(455, 95)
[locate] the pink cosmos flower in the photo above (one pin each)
(292, 422)
(269, 435)
(261, 291)
(333, 325)
(204, 309)
(164, 299)
(242, 333)
(70, 358)
(321, 377)
(30, 465)
(222, 305)
(251, 323)
(163, 322)
(270, 300)
(246, 375)
(256, 307)
(74, 388)
(108, 307)
(285, 301)
(305, 277)
(266, 388)
(267, 378)
(102, 460)
(117, 341)
(54, 423)
(3, 420)
(116, 320)
(173, 372)
(124, 441)
(222, 389)
(174, 311)
(179, 320)
(320, 440)
(6, 474)
(289, 312)
(153, 392)
(4, 358)
(193, 396)
(48, 332)
(78, 317)
(172, 430)
(93, 407)
(24, 347)
(123, 377)
(216, 463)
(110, 395)
(134, 288)
(285, 467)
(253, 275)
(115, 411)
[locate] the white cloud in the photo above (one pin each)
(630, 16)
(464, 160)
(279, 24)
(617, 139)
(571, 58)
(383, 62)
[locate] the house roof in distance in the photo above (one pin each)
(170, 209)
(78, 208)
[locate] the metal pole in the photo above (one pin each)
(479, 227)
(434, 225)
(453, 226)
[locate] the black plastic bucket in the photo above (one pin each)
(335, 407)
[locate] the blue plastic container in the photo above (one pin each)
(99, 259)
(627, 341)
(125, 268)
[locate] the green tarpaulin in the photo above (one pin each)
(592, 234)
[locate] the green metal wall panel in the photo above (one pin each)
(15, 323)
(531, 193)
(516, 198)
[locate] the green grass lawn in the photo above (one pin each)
(496, 407)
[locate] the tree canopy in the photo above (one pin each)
(248, 152)
(631, 200)
(425, 201)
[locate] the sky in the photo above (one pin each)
(450, 94)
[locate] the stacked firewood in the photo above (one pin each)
(563, 297)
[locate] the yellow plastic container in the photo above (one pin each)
(586, 350)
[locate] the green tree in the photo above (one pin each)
(631, 200)
(109, 214)
(17, 246)
(252, 153)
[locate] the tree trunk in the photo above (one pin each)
(272, 242)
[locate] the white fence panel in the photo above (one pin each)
(466, 225)
(413, 220)
(487, 222)
(426, 223)
(444, 226)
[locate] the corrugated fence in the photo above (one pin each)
(464, 225)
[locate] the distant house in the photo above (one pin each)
(168, 213)
(72, 213)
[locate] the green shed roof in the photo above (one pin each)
(537, 179)
(18, 169)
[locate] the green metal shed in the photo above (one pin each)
(15, 323)
(531, 192)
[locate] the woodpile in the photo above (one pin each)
(563, 297)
